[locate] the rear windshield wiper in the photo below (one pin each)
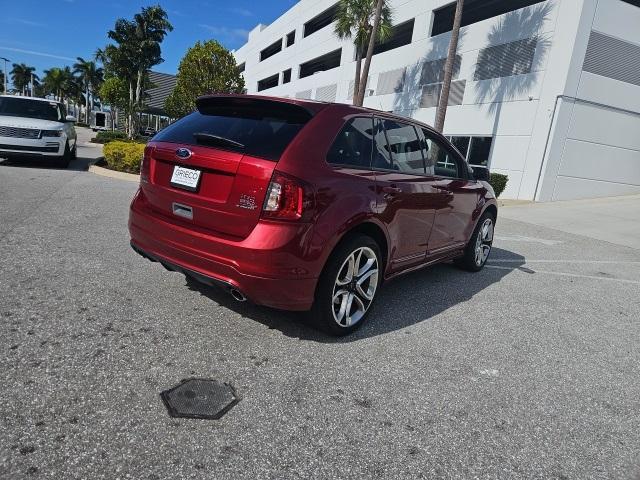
(210, 138)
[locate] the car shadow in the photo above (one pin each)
(79, 164)
(408, 300)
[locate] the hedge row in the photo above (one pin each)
(498, 182)
(124, 156)
(109, 136)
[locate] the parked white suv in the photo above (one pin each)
(36, 127)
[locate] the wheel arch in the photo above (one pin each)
(369, 228)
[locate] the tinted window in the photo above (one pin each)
(264, 129)
(462, 144)
(353, 144)
(22, 107)
(438, 156)
(381, 151)
(405, 147)
(480, 150)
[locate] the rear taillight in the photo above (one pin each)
(145, 165)
(285, 198)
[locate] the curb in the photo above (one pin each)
(105, 172)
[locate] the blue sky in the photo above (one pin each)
(50, 33)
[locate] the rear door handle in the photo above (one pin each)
(391, 190)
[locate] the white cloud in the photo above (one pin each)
(40, 54)
(241, 11)
(226, 32)
(24, 21)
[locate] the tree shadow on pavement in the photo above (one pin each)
(403, 302)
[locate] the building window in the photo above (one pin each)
(291, 38)
(475, 149)
(475, 11)
(320, 21)
(401, 35)
(320, 64)
(271, 50)
(286, 76)
(268, 82)
(241, 67)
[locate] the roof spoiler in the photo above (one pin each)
(210, 104)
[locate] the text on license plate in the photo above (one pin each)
(186, 178)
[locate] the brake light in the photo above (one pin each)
(284, 199)
(145, 165)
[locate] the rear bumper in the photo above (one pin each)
(263, 266)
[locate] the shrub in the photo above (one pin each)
(498, 182)
(109, 136)
(124, 156)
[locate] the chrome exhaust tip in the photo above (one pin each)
(237, 295)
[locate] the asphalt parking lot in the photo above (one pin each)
(527, 370)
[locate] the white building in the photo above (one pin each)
(547, 92)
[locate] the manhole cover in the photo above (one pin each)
(200, 398)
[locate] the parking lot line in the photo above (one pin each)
(566, 274)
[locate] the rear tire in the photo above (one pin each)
(348, 286)
(477, 251)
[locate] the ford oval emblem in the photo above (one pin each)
(183, 153)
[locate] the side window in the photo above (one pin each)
(353, 144)
(404, 145)
(438, 156)
(381, 153)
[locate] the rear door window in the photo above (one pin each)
(254, 128)
(353, 145)
(440, 158)
(404, 145)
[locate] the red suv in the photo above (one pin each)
(301, 205)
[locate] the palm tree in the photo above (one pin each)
(355, 20)
(21, 76)
(137, 49)
(448, 68)
(53, 82)
(90, 76)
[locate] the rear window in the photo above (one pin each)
(254, 127)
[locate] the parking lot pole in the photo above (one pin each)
(6, 74)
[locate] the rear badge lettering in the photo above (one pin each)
(248, 202)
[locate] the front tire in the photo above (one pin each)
(348, 286)
(477, 251)
(65, 159)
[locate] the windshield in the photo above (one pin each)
(24, 107)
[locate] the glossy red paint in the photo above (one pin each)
(417, 220)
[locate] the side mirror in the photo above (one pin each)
(70, 119)
(481, 173)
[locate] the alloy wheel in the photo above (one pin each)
(355, 287)
(484, 242)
